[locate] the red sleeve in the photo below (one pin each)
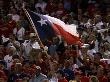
(84, 79)
(104, 79)
(63, 80)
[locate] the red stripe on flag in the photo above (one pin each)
(69, 38)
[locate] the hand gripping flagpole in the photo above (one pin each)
(33, 26)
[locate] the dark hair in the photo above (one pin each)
(91, 46)
(6, 43)
(16, 57)
(1, 40)
(61, 72)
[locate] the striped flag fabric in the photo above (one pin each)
(49, 27)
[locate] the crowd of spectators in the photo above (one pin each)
(23, 59)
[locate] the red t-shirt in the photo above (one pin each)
(84, 79)
(7, 29)
(62, 80)
(11, 25)
(103, 79)
(44, 67)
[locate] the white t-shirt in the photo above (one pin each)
(90, 53)
(20, 33)
(53, 79)
(9, 61)
(27, 46)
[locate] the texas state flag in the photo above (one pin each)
(49, 27)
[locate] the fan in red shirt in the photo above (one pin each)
(7, 29)
(60, 11)
(51, 7)
(103, 79)
(43, 65)
(1, 26)
(101, 74)
(97, 61)
(84, 78)
(10, 26)
(61, 76)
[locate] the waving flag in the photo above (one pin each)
(68, 32)
(48, 27)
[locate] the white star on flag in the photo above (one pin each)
(42, 22)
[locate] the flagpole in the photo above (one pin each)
(33, 26)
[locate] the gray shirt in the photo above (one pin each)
(39, 78)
